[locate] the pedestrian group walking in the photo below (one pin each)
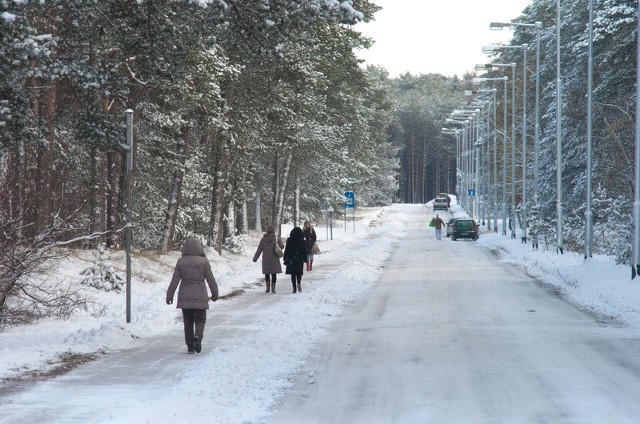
(193, 273)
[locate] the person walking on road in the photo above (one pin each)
(439, 224)
(295, 255)
(270, 261)
(191, 272)
(309, 241)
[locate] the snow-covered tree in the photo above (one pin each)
(101, 274)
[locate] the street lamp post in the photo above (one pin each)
(504, 138)
(538, 27)
(457, 133)
(471, 174)
(465, 135)
(478, 156)
(128, 224)
(635, 266)
(588, 215)
(489, 167)
(560, 242)
(524, 48)
(495, 149)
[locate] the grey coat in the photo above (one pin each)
(191, 271)
(270, 261)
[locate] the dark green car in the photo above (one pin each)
(465, 228)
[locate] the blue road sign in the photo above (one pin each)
(349, 199)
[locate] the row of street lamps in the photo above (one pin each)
(469, 145)
(523, 200)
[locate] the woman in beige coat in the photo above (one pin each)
(271, 265)
(191, 272)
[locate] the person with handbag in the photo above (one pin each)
(295, 255)
(310, 243)
(270, 247)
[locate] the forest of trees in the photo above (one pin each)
(246, 112)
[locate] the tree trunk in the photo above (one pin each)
(245, 217)
(44, 179)
(275, 187)
(281, 190)
(93, 195)
(220, 201)
(231, 218)
(174, 197)
(256, 195)
(296, 212)
(112, 194)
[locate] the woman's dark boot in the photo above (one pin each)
(299, 288)
(273, 287)
(268, 286)
(294, 288)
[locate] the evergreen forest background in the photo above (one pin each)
(253, 112)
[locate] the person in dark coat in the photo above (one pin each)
(270, 261)
(295, 255)
(191, 272)
(309, 240)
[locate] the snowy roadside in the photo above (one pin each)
(597, 284)
(349, 264)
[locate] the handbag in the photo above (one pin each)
(315, 249)
(278, 250)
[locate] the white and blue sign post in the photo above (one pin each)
(349, 208)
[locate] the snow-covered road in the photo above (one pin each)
(449, 335)
(392, 326)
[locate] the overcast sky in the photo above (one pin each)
(435, 36)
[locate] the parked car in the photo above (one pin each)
(465, 228)
(440, 203)
(446, 196)
(450, 226)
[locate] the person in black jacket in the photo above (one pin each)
(295, 255)
(309, 241)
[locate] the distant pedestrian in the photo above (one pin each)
(309, 240)
(295, 255)
(191, 272)
(270, 261)
(438, 223)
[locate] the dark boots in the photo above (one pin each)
(268, 286)
(295, 281)
(311, 265)
(273, 287)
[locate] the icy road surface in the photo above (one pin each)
(451, 336)
(443, 333)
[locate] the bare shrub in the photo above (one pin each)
(24, 295)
